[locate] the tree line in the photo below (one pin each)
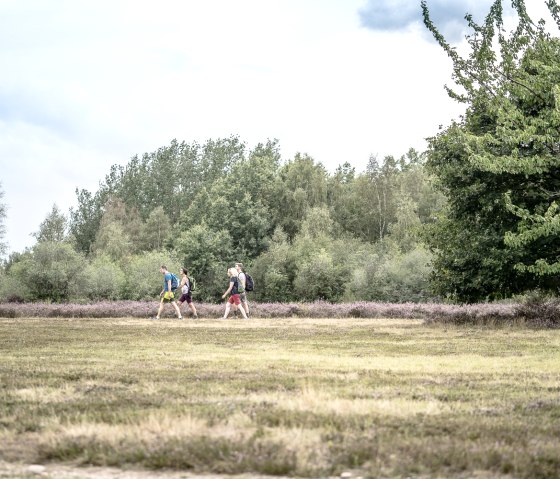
(475, 217)
(305, 233)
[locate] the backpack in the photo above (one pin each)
(192, 284)
(240, 288)
(174, 282)
(249, 283)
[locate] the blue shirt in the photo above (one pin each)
(168, 277)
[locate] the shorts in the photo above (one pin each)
(168, 297)
(243, 296)
(186, 297)
(234, 299)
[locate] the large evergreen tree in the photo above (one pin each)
(500, 165)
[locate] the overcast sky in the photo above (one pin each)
(87, 84)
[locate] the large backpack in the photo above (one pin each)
(249, 283)
(192, 284)
(240, 288)
(174, 282)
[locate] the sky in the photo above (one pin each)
(91, 83)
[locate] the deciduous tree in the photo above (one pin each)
(499, 166)
(53, 228)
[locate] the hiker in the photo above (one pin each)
(186, 292)
(170, 284)
(233, 291)
(243, 296)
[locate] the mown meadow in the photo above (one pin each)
(305, 397)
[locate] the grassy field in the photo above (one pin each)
(291, 397)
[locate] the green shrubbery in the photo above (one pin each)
(103, 279)
(143, 279)
(320, 262)
(56, 272)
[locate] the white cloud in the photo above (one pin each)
(447, 15)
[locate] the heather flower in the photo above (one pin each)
(431, 312)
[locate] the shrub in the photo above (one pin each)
(11, 290)
(103, 279)
(276, 285)
(396, 277)
(207, 255)
(54, 271)
(540, 311)
(143, 279)
(318, 278)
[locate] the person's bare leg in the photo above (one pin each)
(178, 311)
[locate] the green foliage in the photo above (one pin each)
(301, 184)
(404, 277)
(12, 285)
(156, 230)
(143, 279)
(257, 174)
(498, 167)
(276, 286)
(275, 270)
(320, 264)
(53, 228)
(318, 259)
(85, 219)
(471, 262)
(319, 278)
(8, 287)
(52, 271)
(226, 206)
(535, 229)
(386, 274)
(392, 196)
(112, 240)
(406, 227)
(103, 279)
(298, 228)
(122, 232)
(206, 254)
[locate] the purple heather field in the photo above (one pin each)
(319, 309)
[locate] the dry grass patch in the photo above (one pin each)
(299, 397)
(322, 402)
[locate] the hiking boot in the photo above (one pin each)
(180, 318)
(154, 318)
